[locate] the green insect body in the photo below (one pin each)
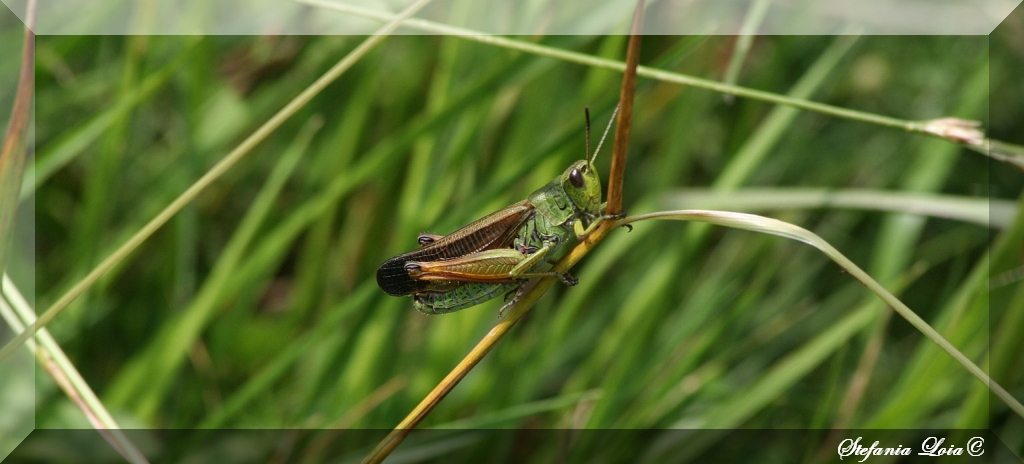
(461, 295)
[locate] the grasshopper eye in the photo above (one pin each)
(576, 178)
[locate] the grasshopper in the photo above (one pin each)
(498, 253)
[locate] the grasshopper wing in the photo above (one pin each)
(494, 231)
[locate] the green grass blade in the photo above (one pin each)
(144, 382)
(775, 227)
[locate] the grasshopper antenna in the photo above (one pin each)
(606, 129)
(586, 113)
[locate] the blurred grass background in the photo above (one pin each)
(256, 306)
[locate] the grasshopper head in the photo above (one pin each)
(583, 186)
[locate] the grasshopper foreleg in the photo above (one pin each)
(582, 232)
(616, 217)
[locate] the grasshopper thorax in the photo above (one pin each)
(583, 186)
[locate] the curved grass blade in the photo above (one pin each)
(994, 213)
(775, 227)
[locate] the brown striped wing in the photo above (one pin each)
(496, 230)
